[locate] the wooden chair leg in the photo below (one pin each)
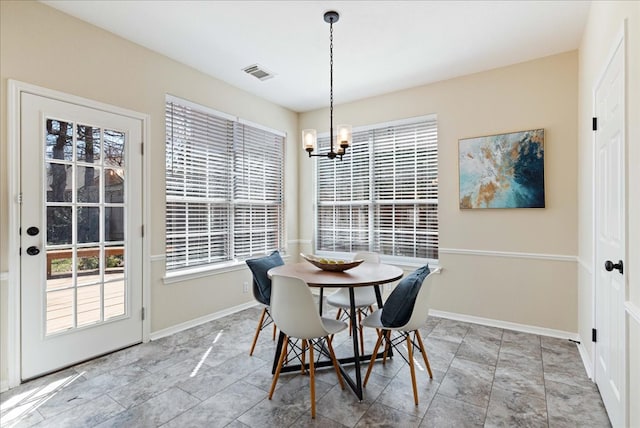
(304, 353)
(386, 346)
(255, 337)
(412, 368)
(274, 332)
(424, 354)
(373, 359)
(338, 314)
(283, 352)
(312, 382)
(335, 362)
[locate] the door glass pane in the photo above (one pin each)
(88, 265)
(59, 138)
(59, 225)
(59, 182)
(114, 148)
(88, 224)
(114, 224)
(88, 184)
(88, 144)
(85, 205)
(59, 268)
(114, 185)
(113, 299)
(60, 310)
(88, 304)
(114, 263)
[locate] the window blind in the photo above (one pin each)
(383, 196)
(223, 187)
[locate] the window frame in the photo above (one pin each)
(371, 202)
(231, 142)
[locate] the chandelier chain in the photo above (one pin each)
(331, 83)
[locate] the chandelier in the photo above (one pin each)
(343, 137)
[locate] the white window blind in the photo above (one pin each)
(223, 187)
(383, 196)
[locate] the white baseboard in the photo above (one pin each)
(197, 321)
(542, 331)
(4, 386)
(586, 361)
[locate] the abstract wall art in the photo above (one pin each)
(502, 171)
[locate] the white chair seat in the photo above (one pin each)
(333, 326)
(363, 298)
(374, 321)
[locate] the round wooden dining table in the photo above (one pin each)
(366, 274)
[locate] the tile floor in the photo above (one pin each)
(483, 376)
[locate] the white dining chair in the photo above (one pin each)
(364, 297)
(294, 311)
(407, 309)
(261, 288)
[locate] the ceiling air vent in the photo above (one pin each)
(258, 71)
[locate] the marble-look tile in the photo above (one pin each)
(210, 380)
(89, 414)
(152, 384)
(481, 349)
(381, 416)
(221, 409)
(272, 413)
(128, 356)
(399, 393)
(570, 405)
(74, 395)
(563, 364)
(440, 352)
(21, 415)
(468, 381)
(519, 375)
(477, 330)
(450, 330)
(319, 422)
(445, 412)
(344, 406)
(154, 412)
(237, 424)
(174, 382)
(521, 344)
(509, 409)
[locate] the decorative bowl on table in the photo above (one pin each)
(331, 265)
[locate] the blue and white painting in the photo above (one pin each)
(502, 171)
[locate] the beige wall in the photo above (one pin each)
(44, 47)
(606, 20)
(536, 94)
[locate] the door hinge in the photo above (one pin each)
(594, 335)
(594, 124)
(142, 149)
(142, 230)
(142, 313)
(20, 198)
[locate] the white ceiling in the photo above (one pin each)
(379, 46)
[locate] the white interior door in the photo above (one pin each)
(610, 238)
(81, 244)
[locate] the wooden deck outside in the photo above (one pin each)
(60, 300)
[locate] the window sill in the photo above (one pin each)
(206, 271)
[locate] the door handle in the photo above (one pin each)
(33, 251)
(609, 266)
